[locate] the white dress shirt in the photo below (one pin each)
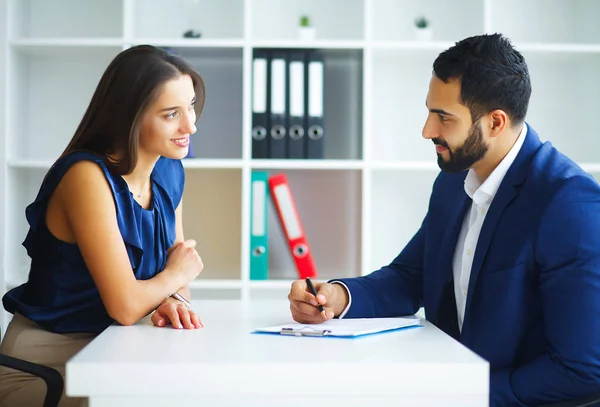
(481, 196)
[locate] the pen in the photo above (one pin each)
(181, 298)
(311, 287)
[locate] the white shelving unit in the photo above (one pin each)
(363, 202)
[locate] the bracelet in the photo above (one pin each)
(181, 298)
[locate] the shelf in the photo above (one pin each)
(39, 44)
(33, 43)
(205, 283)
(316, 44)
(271, 284)
(521, 46)
(283, 284)
(410, 45)
(432, 166)
(259, 164)
(590, 167)
(189, 163)
(558, 48)
(365, 199)
(200, 283)
(206, 163)
(405, 165)
(190, 42)
(307, 164)
(30, 164)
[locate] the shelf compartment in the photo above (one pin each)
(398, 207)
(212, 216)
(395, 19)
(400, 82)
(562, 101)
(342, 103)
(54, 90)
(333, 19)
(223, 19)
(573, 21)
(48, 19)
(219, 134)
(212, 213)
(329, 207)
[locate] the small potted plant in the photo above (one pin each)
(423, 30)
(306, 32)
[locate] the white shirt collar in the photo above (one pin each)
(484, 193)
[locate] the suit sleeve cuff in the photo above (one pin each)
(345, 311)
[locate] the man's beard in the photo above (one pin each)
(463, 157)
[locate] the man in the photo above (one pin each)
(507, 259)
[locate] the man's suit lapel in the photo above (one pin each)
(506, 193)
(508, 190)
(446, 255)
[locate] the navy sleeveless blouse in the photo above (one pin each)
(60, 294)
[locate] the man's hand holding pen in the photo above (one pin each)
(305, 306)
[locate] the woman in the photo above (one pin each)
(106, 237)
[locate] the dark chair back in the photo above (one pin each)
(54, 380)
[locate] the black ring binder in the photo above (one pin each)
(315, 132)
(259, 133)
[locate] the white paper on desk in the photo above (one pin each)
(343, 327)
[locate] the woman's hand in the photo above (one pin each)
(184, 260)
(176, 313)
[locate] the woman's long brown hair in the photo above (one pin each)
(132, 81)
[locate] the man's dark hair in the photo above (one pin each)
(493, 75)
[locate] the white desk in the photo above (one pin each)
(224, 364)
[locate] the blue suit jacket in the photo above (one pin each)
(533, 306)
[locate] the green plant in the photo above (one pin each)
(304, 21)
(421, 22)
